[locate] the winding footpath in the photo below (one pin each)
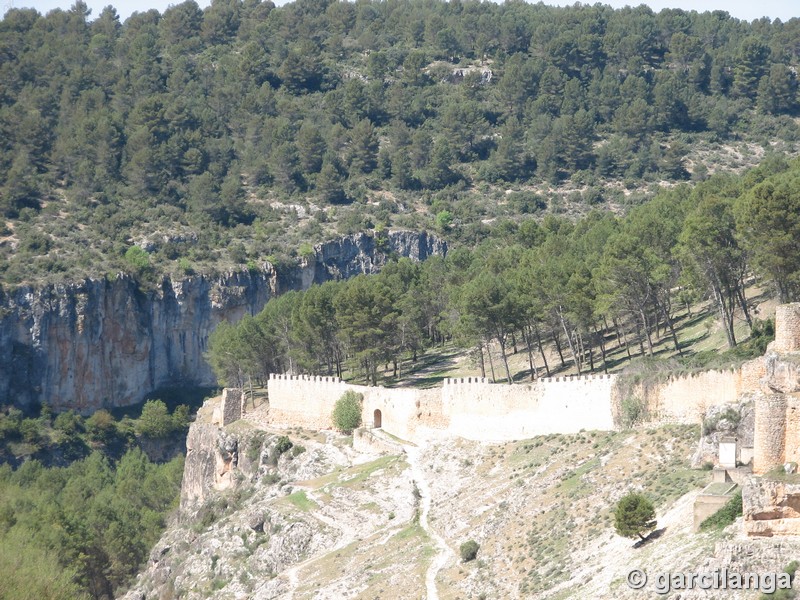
(444, 552)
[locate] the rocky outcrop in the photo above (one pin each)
(212, 458)
(734, 421)
(782, 373)
(771, 507)
(285, 508)
(109, 342)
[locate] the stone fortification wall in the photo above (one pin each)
(473, 408)
(479, 410)
(791, 445)
(230, 407)
(686, 398)
(467, 407)
(308, 401)
(303, 400)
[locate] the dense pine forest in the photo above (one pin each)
(243, 132)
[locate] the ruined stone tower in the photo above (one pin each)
(777, 410)
(787, 328)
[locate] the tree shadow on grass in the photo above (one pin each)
(654, 535)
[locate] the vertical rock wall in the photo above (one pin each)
(108, 342)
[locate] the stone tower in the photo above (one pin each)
(777, 414)
(787, 328)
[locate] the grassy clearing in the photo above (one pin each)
(352, 476)
(367, 470)
(301, 501)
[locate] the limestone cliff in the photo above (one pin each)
(771, 506)
(107, 342)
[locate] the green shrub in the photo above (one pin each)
(185, 266)
(762, 333)
(254, 447)
(284, 444)
(31, 431)
(347, 412)
(69, 423)
(100, 427)
(725, 515)
(137, 258)
(10, 424)
(469, 550)
(305, 250)
(633, 411)
(180, 417)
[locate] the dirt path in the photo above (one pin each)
(444, 552)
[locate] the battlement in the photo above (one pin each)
(309, 378)
(475, 408)
(561, 379)
(570, 378)
(463, 380)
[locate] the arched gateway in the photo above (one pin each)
(376, 419)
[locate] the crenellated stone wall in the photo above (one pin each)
(467, 407)
(474, 408)
(479, 410)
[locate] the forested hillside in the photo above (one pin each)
(587, 286)
(197, 139)
(592, 166)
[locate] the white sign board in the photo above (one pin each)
(727, 455)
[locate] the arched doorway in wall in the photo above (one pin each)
(376, 419)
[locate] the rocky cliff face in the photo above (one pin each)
(102, 343)
(771, 507)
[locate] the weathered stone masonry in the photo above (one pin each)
(473, 408)
(777, 411)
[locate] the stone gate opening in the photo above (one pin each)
(376, 419)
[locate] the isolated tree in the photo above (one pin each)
(634, 516)
(155, 420)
